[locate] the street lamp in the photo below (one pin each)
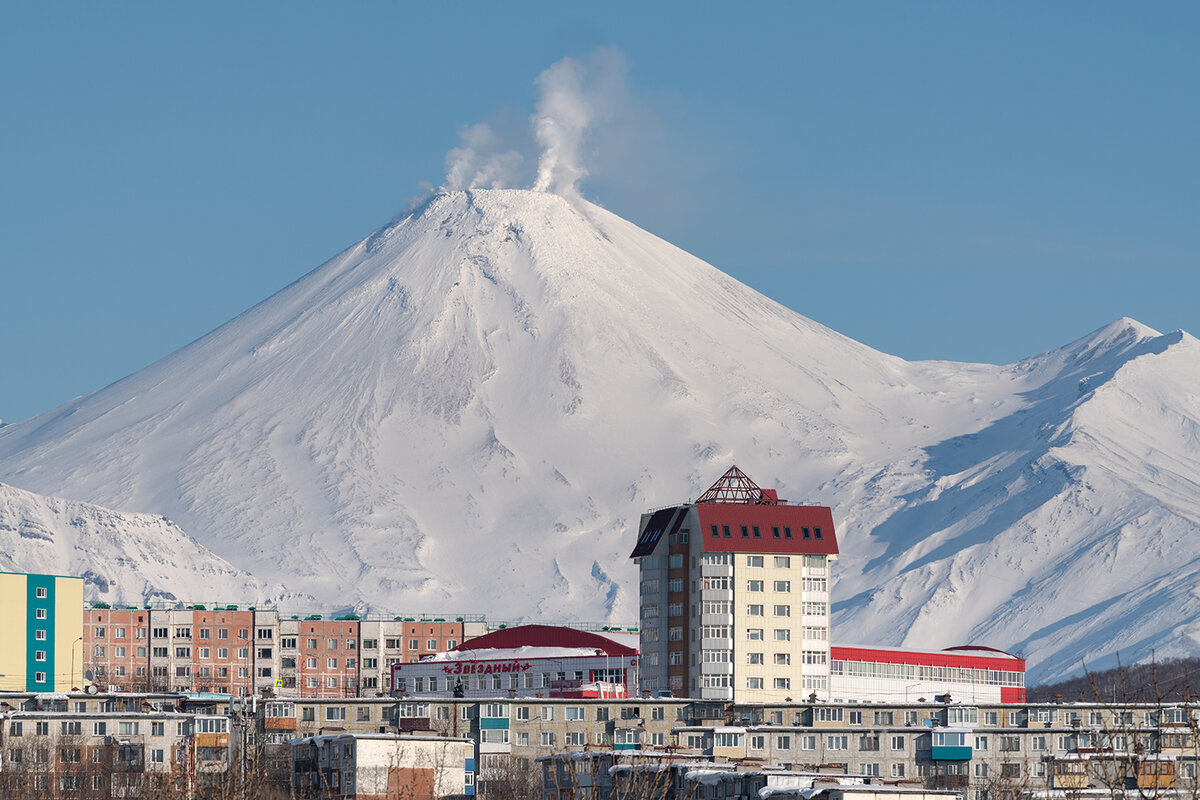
(906, 688)
(80, 641)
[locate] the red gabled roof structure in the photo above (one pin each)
(736, 515)
(545, 636)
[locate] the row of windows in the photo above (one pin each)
(753, 531)
(780, 683)
(75, 728)
(651, 611)
(870, 669)
(723, 583)
(675, 634)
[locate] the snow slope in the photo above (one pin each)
(123, 558)
(471, 407)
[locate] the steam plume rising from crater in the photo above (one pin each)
(575, 98)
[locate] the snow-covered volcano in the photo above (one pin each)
(469, 409)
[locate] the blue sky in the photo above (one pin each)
(975, 182)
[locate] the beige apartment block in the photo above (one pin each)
(735, 596)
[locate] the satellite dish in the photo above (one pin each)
(89, 676)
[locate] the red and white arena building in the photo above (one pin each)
(527, 661)
(969, 674)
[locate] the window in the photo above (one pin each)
(157, 728)
(41, 592)
(754, 586)
(675, 585)
(783, 562)
(1010, 744)
(754, 561)
(897, 770)
(754, 610)
(856, 719)
(1010, 770)
(816, 657)
(675, 609)
(897, 743)
(837, 743)
(754, 683)
(981, 743)
(41, 613)
(814, 609)
(160, 633)
(754, 658)
(808, 742)
(783, 683)
(783, 586)
(783, 635)
(547, 738)
(40, 635)
(783, 659)
(783, 611)
(754, 634)
(783, 743)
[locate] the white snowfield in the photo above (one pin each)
(470, 408)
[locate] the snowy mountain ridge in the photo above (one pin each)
(509, 378)
(123, 558)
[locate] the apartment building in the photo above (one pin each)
(383, 766)
(41, 635)
(735, 595)
(326, 656)
(971, 748)
(87, 746)
(227, 650)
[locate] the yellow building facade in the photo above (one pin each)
(41, 632)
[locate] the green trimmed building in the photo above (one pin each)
(41, 633)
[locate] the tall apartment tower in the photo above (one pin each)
(735, 595)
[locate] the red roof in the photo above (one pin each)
(545, 636)
(736, 522)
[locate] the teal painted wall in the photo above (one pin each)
(33, 624)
